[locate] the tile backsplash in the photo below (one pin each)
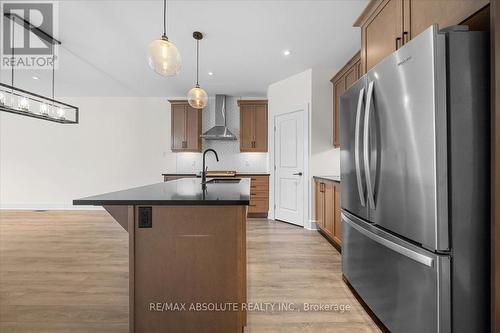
(230, 157)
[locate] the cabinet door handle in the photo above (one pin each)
(406, 36)
(322, 187)
(398, 43)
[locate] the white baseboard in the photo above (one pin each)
(45, 206)
(313, 225)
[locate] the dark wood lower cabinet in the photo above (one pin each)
(259, 196)
(327, 207)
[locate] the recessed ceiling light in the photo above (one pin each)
(210, 73)
(35, 78)
(286, 52)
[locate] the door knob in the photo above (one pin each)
(298, 174)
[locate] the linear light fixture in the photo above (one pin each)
(25, 103)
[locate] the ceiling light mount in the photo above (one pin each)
(197, 35)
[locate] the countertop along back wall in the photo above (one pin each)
(119, 143)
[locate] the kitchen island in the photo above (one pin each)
(187, 254)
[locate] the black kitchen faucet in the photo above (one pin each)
(203, 171)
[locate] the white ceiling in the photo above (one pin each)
(105, 42)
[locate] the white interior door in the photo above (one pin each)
(289, 173)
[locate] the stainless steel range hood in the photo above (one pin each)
(220, 130)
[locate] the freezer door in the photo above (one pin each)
(407, 287)
(405, 142)
(352, 106)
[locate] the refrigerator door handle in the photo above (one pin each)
(415, 256)
(369, 97)
(356, 148)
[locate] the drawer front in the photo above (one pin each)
(259, 188)
(258, 206)
(260, 180)
(259, 193)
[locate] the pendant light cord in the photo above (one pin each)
(53, 71)
(12, 55)
(197, 61)
(164, 17)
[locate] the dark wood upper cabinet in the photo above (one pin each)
(420, 14)
(253, 125)
(347, 76)
(247, 127)
(186, 127)
(382, 33)
(386, 25)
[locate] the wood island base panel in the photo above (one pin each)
(187, 255)
(187, 272)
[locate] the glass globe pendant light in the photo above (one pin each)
(197, 97)
(163, 56)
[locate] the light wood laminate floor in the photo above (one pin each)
(67, 271)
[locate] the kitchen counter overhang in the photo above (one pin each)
(186, 191)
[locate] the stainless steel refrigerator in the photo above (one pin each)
(415, 184)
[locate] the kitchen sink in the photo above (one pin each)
(224, 181)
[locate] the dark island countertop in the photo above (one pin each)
(185, 191)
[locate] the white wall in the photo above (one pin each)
(230, 157)
(291, 94)
(119, 143)
(311, 88)
(325, 159)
